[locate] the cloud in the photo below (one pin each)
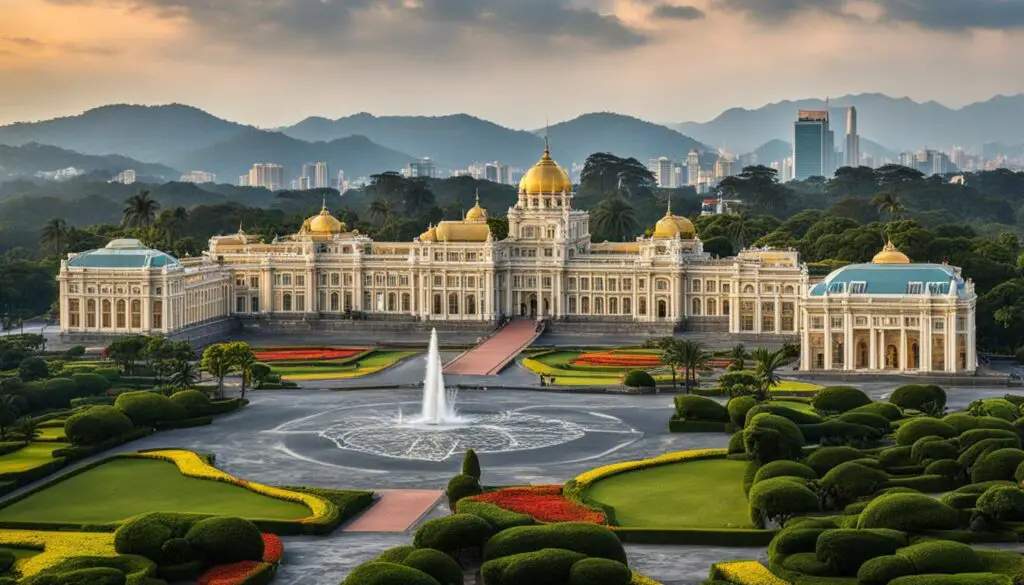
(780, 10)
(25, 42)
(941, 15)
(61, 47)
(676, 12)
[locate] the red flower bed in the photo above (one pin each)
(545, 503)
(624, 360)
(273, 548)
(324, 353)
(233, 574)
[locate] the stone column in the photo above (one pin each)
(849, 357)
(778, 313)
(805, 349)
(951, 336)
(926, 342)
(873, 348)
(903, 361)
(972, 350)
(828, 337)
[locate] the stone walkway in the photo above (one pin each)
(395, 511)
(488, 358)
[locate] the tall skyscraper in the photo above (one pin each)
(126, 177)
(422, 168)
(813, 145)
(198, 177)
(852, 138)
(267, 175)
(321, 176)
(663, 169)
(342, 184)
(723, 167)
(693, 168)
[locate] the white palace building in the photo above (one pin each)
(889, 315)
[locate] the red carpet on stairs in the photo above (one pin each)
(488, 358)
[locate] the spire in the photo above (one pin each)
(240, 232)
(478, 196)
(324, 207)
(668, 212)
(547, 130)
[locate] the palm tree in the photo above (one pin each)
(671, 355)
(615, 219)
(242, 360)
(140, 210)
(54, 235)
(741, 231)
(26, 428)
(888, 203)
(8, 413)
(693, 358)
(738, 354)
(768, 363)
(185, 375)
(381, 210)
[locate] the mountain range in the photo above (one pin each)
(898, 123)
(29, 159)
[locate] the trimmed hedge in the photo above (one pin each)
(768, 437)
(1000, 408)
(882, 570)
(824, 459)
(974, 436)
(884, 409)
(797, 416)
(691, 407)
(471, 464)
(225, 540)
(837, 430)
(998, 464)
(947, 468)
(928, 484)
(918, 396)
(875, 421)
(784, 468)
(454, 533)
(146, 409)
(499, 518)
(780, 499)
(194, 402)
(377, 573)
(738, 408)
(436, 564)
(1002, 503)
(96, 425)
(396, 554)
(599, 572)
(90, 384)
(588, 539)
(548, 566)
(932, 448)
(914, 429)
(960, 579)
(845, 550)
(736, 443)
(909, 513)
(143, 535)
(896, 457)
(970, 456)
(462, 486)
(639, 379)
(795, 538)
(851, 480)
(838, 399)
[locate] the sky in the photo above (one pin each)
(519, 63)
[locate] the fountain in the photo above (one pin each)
(438, 408)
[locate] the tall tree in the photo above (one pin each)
(54, 236)
(8, 413)
(694, 358)
(614, 220)
(242, 361)
(217, 363)
(672, 355)
(889, 203)
(767, 366)
(140, 210)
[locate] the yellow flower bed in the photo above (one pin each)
(57, 546)
(639, 579)
(746, 573)
(796, 386)
(192, 465)
(586, 479)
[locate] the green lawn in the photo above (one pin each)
(121, 488)
(20, 553)
(375, 362)
(52, 433)
(33, 455)
(692, 494)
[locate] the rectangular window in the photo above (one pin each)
(710, 286)
(517, 281)
(584, 284)
(915, 288)
(367, 280)
(695, 286)
(837, 322)
(300, 280)
(641, 284)
(816, 322)
(453, 256)
(404, 281)
(254, 282)
(547, 282)
(551, 233)
(726, 287)
(572, 284)
(858, 288)
(254, 304)
(392, 280)
(453, 281)
(240, 305)
(627, 284)
(531, 282)
(470, 282)
(548, 252)
(612, 285)
(471, 256)
(438, 280)
(598, 284)
(439, 256)
(348, 280)
(335, 279)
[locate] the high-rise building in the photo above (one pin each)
(126, 177)
(723, 167)
(342, 184)
(243, 181)
(813, 145)
(852, 138)
(693, 168)
(786, 170)
(423, 168)
(663, 169)
(267, 175)
(321, 176)
(491, 172)
(908, 159)
(198, 177)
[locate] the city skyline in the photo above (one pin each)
(139, 51)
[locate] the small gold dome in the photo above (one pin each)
(890, 255)
(477, 213)
(325, 223)
(545, 177)
(671, 226)
(430, 235)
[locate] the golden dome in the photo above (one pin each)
(545, 177)
(671, 226)
(325, 223)
(890, 255)
(457, 231)
(477, 213)
(430, 235)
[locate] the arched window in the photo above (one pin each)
(90, 313)
(642, 305)
(599, 306)
(725, 308)
(627, 306)
(286, 302)
(122, 318)
(662, 309)
(453, 304)
(695, 308)
(471, 305)
(585, 305)
(437, 304)
(789, 289)
(334, 302)
(392, 302)
(748, 289)
(712, 308)
(613, 306)
(136, 314)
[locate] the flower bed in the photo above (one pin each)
(273, 548)
(586, 479)
(745, 573)
(615, 359)
(56, 547)
(545, 503)
(237, 574)
(324, 353)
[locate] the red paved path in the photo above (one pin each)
(488, 358)
(395, 511)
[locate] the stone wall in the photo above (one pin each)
(300, 325)
(610, 327)
(199, 335)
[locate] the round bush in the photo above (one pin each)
(194, 402)
(549, 566)
(794, 539)
(454, 533)
(377, 573)
(839, 399)
(1000, 408)
(436, 564)
(1002, 503)
(224, 540)
(896, 457)
(738, 408)
(60, 391)
(177, 551)
(736, 443)
(943, 556)
(919, 397)
(909, 513)
(396, 554)
(797, 416)
(599, 572)
(851, 480)
(960, 579)
(768, 437)
(462, 486)
(32, 368)
(845, 550)
(885, 409)
(971, 455)
(587, 539)
(824, 459)
(146, 409)
(881, 570)
(808, 564)
(90, 384)
(471, 464)
(693, 407)
(638, 379)
(914, 429)
(998, 464)
(87, 576)
(961, 422)
(142, 535)
(111, 374)
(875, 421)
(784, 468)
(779, 499)
(928, 449)
(975, 436)
(946, 468)
(96, 424)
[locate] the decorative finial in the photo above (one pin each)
(240, 232)
(668, 212)
(324, 207)
(478, 197)
(547, 130)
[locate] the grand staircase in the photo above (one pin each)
(497, 351)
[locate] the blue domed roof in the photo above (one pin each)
(892, 279)
(123, 254)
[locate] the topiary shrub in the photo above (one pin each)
(923, 397)
(548, 566)
(194, 402)
(784, 468)
(909, 513)
(587, 539)
(396, 554)
(89, 576)
(224, 540)
(914, 429)
(454, 533)
(90, 384)
(176, 551)
(795, 538)
(797, 416)
(738, 408)
(832, 432)
(377, 573)
(436, 564)
(1000, 408)
(875, 421)
(96, 424)
(638, 379)
(838, 399)
(768, 437)
(928, 449)
(943, 556)
(948, 468)
(499, 518)
(807, 564)
(851, 480)
(974, 436)
(998, 464)
(32, 368)
(881, 570)
(111, 374)
(885, 409)
(736, 443)
(846, 550)
(824, 459)
(462, 486)
(779, 499)
(599, 572)
(693, 407)
(960, 579)
(142, 535)
(1002, 503)
(896, 457)
(60, 391)
(971, 455)
(146, 409)
(471, 464)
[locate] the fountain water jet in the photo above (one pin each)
(437, 408)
